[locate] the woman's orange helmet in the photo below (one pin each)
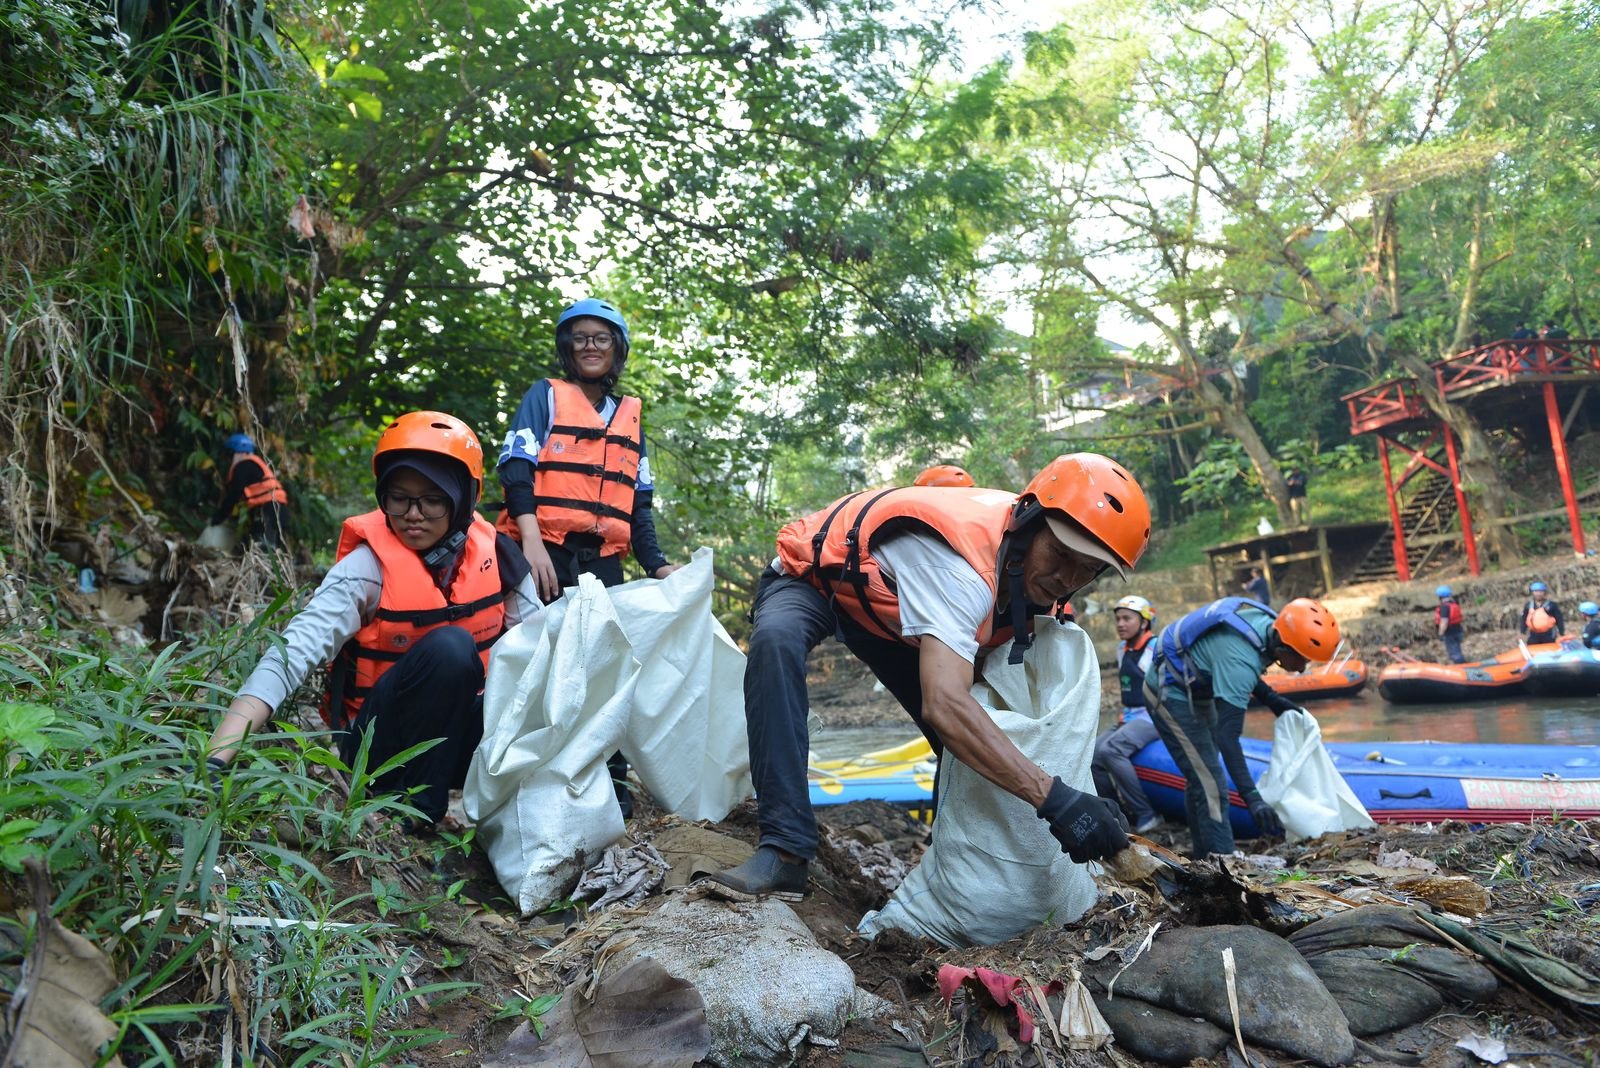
(944, 475)
(1102, 500)
(433, 432)
(1309, 629)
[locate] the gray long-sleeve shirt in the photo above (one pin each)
(346, 601)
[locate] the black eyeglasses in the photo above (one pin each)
(431, 505)
(599, 341)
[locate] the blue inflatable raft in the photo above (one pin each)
(1572, 672)
(1414, 782)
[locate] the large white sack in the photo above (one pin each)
(642, 667)
(994, 870)
(1302, 785)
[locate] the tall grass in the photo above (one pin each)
(141, 168)
(101, 752)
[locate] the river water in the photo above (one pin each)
(1364, 718)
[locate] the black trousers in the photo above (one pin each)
(266, 525)
(433, 691)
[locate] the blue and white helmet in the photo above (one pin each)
(239, 443)
(1443, 591)
(1589, 608)
(606, 312)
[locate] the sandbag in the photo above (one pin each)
(1282, 1003)
(767, 986)
(1302, 785)
(994, 870)
(1152, 1033)
(644, 668)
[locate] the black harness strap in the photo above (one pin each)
(852, 573)
(818, 540)
(582, 433)
(598, 470)
(584, 506)
(450, 613)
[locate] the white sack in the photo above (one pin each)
(642, 667)
(994, 870)
(219, 537)
(1302, 785)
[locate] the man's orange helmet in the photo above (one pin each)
(1102, 500)
(944, 475)
(434, 432)
(1309, 629)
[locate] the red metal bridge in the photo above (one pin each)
(1493, 379)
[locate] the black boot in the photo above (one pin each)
(764, 875)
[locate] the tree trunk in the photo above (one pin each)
(1236, 422)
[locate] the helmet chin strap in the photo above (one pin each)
(1021, 637)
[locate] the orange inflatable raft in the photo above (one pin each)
(1339, 678)
(1420, 682)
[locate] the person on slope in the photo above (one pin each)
(944, 475)
(1208, 665)
(920, 582)
(576, 474)
(421, 589)
(250, 479)
(1540, 623)
(1447, 617)
(1115, 777)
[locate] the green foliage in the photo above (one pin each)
(101, 780)
(1221, 474)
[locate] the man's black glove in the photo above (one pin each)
(1088, 827)
(215, 768)
(1267, 821)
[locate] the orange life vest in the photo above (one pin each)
(411, 605)
(267, 491)
(588, 468)
(1453, 618)
(832, 548)
(1538, 619)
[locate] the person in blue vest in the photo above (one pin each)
(1447, 617)
(1541, 621)
(1591, 624)
(1207, 667)
(1115, 777)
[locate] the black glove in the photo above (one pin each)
(215, 768)
(1267, 821)
(1088, 827)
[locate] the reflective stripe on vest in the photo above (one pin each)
(832, 548)
(266, 491)
(588, 468)
(1128, 668)
(1178, 637)
(410, 605)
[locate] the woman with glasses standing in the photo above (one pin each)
(575, 473)
(422, 588)
(573, 464)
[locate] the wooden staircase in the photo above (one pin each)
(1429, 511)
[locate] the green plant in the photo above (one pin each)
(100, 757)
(518, 1007)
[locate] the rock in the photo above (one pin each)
(1282, 1003)
(767, 986)
(1151, 1033)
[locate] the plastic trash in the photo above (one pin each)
(1302, 785)
(219, 537)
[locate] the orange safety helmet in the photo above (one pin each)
(1099, 496)
(434, 432)
(1309, 629)
(944, 475)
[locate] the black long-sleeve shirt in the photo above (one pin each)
(516, 478)
(246, 473)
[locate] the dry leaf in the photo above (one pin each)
(55, 1011)
(1453, 893)
(1082, 1023)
